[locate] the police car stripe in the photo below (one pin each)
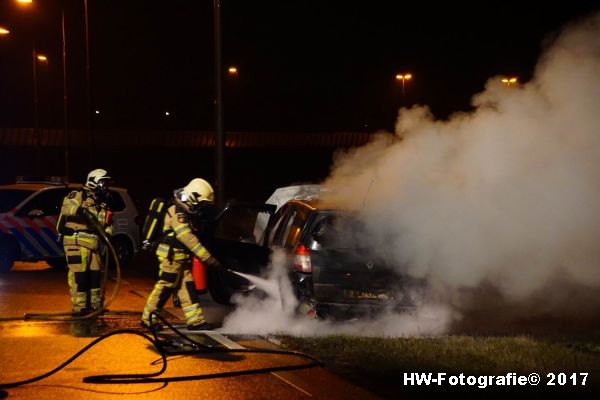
(52, 239)
(29, 250)
(30, 224)
(31, 238)
(19, 232)
(3, 227)
(39, 240)
(48, 227)
(12, 224)
(50, 223)
(32, 227)
(29, 235)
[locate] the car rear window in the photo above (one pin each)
(339, 232)
(10, 198)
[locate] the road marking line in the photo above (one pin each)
(291, 384)
(230, 344)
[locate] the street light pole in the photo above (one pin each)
(219, 131)
(38, 151)
(65, 115)
(403, 77)
(88, 83)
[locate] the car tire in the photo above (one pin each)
(9, 251)
(124, 249)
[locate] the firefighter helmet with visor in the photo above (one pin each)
(195, 194)
(97, 181)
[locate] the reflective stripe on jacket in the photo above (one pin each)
(177, 226)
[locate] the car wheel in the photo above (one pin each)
(124, 249)
(9, 251)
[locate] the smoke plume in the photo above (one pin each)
(276, 312)
(506, 196)
(498, 209)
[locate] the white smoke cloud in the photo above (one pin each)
(506, 195)
(276, 314)
(501, 204)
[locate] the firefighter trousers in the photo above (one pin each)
(84, 278)
(175, 275)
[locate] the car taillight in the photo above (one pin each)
(302, 259)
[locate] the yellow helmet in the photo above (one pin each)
(195, 193)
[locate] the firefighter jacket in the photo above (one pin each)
(179, 240)
(73, 225)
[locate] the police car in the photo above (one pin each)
(29, 210)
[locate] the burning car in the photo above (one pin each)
(331, 269)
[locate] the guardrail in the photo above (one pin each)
(25, 137)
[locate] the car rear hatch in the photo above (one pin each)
(344, 269)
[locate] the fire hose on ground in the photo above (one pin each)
(159, 345)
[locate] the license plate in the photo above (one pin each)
(363, 294)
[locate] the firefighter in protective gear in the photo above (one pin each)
(175, 252)
(76, 225)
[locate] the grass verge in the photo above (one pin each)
(379, 364)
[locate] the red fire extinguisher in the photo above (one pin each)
(199, 275)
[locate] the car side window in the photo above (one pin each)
(294, 229)
(278, 218)
(48, 201)
(288, 227)
(282, 227)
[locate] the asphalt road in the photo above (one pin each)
(29, 348)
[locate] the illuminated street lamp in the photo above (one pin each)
(4, 31)
(233, 71)
(508, 81)
(403, 78)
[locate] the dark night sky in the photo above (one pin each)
(304, 65)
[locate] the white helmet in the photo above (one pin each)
(97, 180)
(195, 193)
